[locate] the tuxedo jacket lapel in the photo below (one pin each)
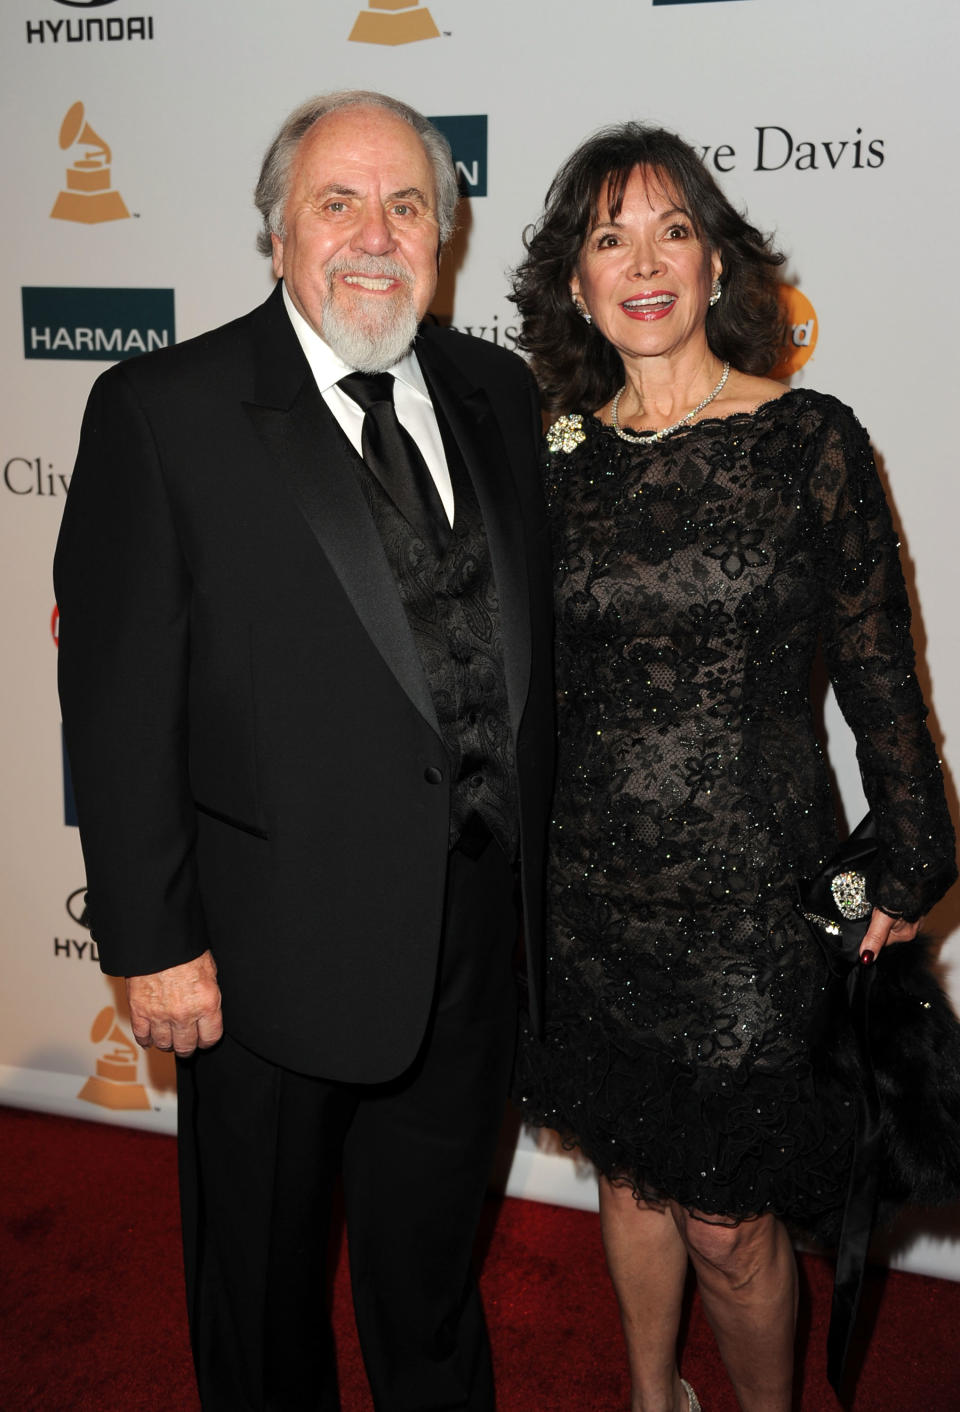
(478, 435)
(313, 458)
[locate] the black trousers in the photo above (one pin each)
(261, 1149)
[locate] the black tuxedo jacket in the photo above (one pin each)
(255, 756)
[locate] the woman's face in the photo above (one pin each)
(645, 277)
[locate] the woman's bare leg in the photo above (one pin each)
(747, 1276)
(647, 1261)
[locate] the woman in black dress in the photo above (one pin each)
(711, 526)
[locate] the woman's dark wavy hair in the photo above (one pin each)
(574, 364)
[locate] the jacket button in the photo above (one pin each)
(432, 775)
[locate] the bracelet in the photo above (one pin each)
(894, 916)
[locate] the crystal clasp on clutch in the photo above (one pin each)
(831, 928)
(566, 433)
(850, 894)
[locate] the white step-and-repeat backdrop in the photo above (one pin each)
(132, 135)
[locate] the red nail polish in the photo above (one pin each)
(866, 958)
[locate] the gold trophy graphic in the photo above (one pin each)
(393, 22)
(115, 1083)
(88, 197)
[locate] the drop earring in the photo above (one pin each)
(715, 293)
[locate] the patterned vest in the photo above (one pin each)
(453, 610)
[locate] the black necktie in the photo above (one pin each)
(394, 457)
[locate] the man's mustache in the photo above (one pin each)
(369, 265)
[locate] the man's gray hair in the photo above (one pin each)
(273, 188)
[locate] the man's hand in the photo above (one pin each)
(178, 1009)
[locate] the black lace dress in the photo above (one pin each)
(685, 997)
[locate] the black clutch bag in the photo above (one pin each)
(837, 903)
(896, 1039)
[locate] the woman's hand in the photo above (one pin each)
(884, 929)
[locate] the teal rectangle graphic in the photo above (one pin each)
(467, 136)
(96, 325)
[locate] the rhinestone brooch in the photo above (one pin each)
(566, 433)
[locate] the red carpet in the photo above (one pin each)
(92, 1319)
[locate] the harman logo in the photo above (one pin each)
(88, 197)
(97, 325)
(467, 136)
(114, 1085)
(90, 29)
(802, 331)
(393, 22)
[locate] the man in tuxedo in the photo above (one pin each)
(304, 645)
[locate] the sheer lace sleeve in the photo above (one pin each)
(870, 658)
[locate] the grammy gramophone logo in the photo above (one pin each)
(114, 1085)
(393, 22)
(88, 196)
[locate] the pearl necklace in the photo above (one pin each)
(625, 434)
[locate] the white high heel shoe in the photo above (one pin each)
(692, 1397)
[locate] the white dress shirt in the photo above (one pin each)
(410, 397)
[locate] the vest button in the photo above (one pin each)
(432, 775)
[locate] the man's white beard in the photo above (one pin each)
(376, 332)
